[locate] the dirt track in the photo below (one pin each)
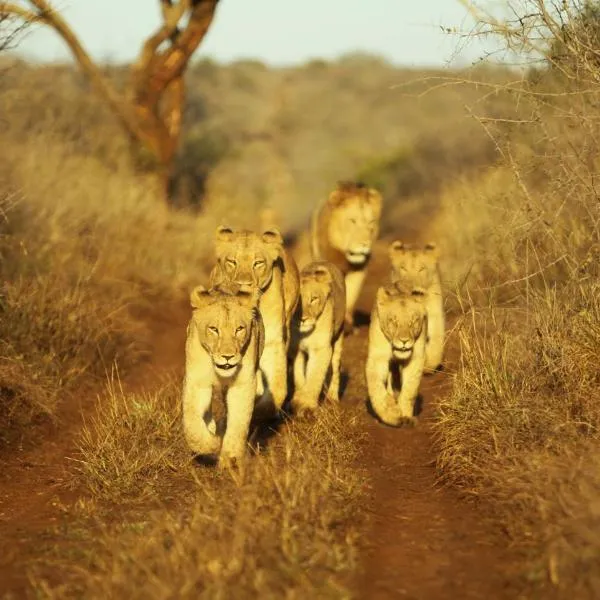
(422, 541)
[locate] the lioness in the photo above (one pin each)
(317, 334)
(416, 269)
(343, 231)
(260, 262)
(396, 354)
(225, 339)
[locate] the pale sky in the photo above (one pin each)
(278, 32)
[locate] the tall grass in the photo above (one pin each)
(521, 426)
(285, 525)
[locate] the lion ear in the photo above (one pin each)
(432, 249)
(198, 295)
(249, 299)
(336, 197)
(274, 241)
(272, 236)
(223, 234)
(384, 294)
(395, 247)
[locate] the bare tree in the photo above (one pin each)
(151, 109)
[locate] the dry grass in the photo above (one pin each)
(523, 411)
(283, 526)
(521, 427)
(59, 324)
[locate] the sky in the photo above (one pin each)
(278, 32)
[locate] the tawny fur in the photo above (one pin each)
(225, 340)
(416, 269)
(343, 230)
(317, 335)
(396, 355)
(260, 262)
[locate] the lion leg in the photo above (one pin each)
(353, 281)
(383, 401)
(260, 385)
(435, 332)
(240, 404)
(411, 380)
(273, 364)
(317, 365)
(334, 385)
(299, 370)
(198, 424)
(377, 372)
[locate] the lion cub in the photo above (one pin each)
(260, 262)
(225, 339)
(417, 270)
(317, 334)
(396, 354)
(343, 231)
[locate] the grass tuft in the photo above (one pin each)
(285, 524)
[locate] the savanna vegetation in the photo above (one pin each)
(520, 428)
(497, 165)
(89, 246)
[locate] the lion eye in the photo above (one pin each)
(213, 330)
(230, 262)
(314, 300)
(240, 329)
(259, 264)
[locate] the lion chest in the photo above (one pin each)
(322, 334)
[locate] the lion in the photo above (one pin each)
(343, 231)
(396, 354)
(260, 262)
(317, 334)
(225, 341)
(416, 269)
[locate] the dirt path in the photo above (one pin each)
(422, 542)
(34, 494)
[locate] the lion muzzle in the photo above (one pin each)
(227, 365)
(402, 349)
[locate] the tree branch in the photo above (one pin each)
(155, 71)
(48, 15)
(8, 8)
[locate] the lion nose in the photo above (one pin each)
(227, 357)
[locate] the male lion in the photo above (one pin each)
(396, 354)
(225, 339)
(317, 334)
(260, 262)
(416, 270)
(343, 231)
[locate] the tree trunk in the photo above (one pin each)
(151, 114)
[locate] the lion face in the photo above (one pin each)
(246, 258)
(401, 318)
(315, 289)
(354, 222)
(413, 269)
(223, 322)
